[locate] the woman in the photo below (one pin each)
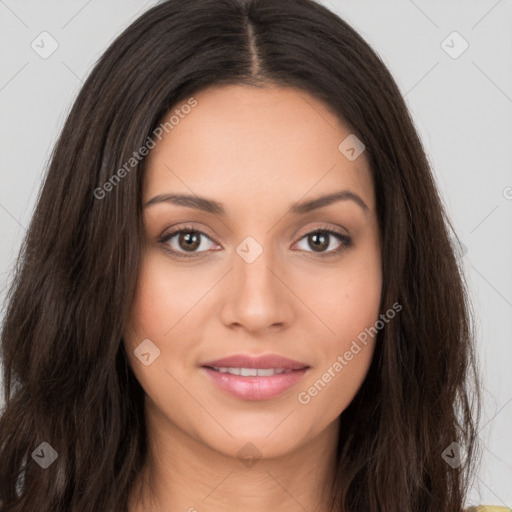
(238, 289)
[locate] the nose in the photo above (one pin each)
(256, 296)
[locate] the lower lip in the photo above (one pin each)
(255, 388)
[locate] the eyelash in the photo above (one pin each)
(346, 241)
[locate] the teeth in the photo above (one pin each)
(252, 372)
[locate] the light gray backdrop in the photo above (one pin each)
(460, 99)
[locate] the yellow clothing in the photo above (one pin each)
(488, 508)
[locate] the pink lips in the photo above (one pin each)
(256, 387)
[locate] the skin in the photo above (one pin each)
(257, 151)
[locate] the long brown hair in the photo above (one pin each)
(66, 376)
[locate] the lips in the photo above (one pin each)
(255, 378)
(262, 362)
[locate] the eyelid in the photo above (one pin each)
(177, 228)
(326, 227)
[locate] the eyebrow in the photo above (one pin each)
(216, 208)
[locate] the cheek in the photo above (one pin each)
(348, 304)
(347, 300)
(344, 358)
(332, 388)
(163, 297)
(159, 308)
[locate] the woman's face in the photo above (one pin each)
(265, 279)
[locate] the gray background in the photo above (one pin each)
(462, 108)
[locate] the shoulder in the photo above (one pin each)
(487, 508)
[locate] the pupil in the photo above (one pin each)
(319, 242)
(192, 240)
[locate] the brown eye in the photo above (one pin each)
(186, 242)
(318, 241)
(323, 242)
(189, 240)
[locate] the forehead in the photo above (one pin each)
(249, 142)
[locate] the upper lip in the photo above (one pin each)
(265, 361)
